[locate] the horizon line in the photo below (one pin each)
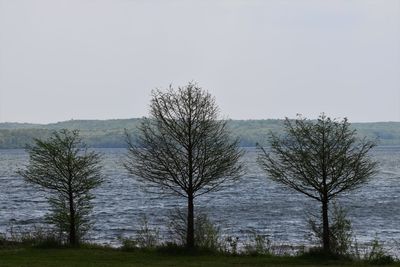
(133, 118)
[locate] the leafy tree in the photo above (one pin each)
(320, 159)
(63, 166)
(184, 148)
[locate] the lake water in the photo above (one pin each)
(254, 202)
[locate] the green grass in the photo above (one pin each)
(98, 257)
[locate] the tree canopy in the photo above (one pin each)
(184, 147)
(63, 166)
(320, 159)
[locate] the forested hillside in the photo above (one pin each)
(110, 133)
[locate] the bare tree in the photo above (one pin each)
(64, 167)
(184, 148)
(319, 159)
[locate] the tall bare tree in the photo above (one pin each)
(184, 147)
(64, 167)
(320, 159)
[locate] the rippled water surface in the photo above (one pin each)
(252, 203)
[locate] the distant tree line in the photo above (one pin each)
(111, 133)
(184, 148)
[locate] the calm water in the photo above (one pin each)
(252, 203)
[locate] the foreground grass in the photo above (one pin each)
(99, 257)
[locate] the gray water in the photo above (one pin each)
(253, 203)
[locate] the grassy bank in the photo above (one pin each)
(110, 257)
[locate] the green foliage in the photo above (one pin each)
(60, 215)
(339, 228)
(341, 231)
(319, 254)
(95, 133)
(128, 244)
(172, 256)
(258, 244)
(231, 245)
(110, 133)
(146, 237)
(68, 172)
(377, 254)
(320, 159)
(184, 148)
(36, 236)
(207, 234)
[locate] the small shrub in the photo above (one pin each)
(341, 231)
(230, 245)
(258, 244)
(128, 244)
(36, 236)
(206, 233)
(377, 254)
(5, 243)
(341, 234)
(145, 238)
(177, 227)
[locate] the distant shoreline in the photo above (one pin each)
(110, 133)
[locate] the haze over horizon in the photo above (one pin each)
(84, 59)
(106, 119)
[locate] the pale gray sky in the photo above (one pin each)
(98, 59)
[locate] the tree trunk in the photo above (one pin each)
(190, 223)
(325, 227)
(72, 228)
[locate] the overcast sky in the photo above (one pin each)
(97, 59)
